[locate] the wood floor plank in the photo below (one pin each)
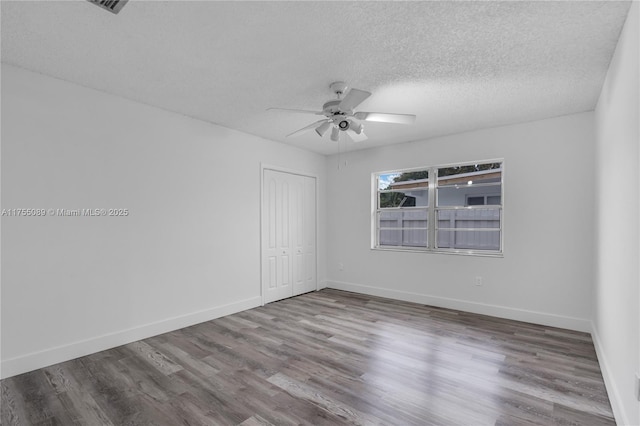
(304, 391)
(12, 406)
(73, 397)
(326, 358)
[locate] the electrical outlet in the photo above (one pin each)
(341, 266)
(638, 386)
(478, 281)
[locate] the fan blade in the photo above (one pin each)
(309, 127)
(356, 137)
(301, 111)
(335, 134)
(385, 117)
(353, 99)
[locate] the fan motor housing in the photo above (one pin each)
(332, 110)
(331, 107)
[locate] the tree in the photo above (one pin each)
(391, 199)
(420, 174)
(458, 170)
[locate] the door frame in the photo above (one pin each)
(280, 169)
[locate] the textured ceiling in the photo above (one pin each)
(458, 66)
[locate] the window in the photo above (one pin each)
(483, 200)
(455, 209)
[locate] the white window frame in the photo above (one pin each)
(377, 211)
(432, 209)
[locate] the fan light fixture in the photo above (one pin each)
(322, 129)
(335, 134)
(356, 127)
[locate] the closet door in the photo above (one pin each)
(304, 243)
(276, 250)
(288, 235)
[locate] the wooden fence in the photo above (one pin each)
(477, 229)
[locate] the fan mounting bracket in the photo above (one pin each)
(339, 88)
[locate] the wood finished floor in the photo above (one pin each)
(326, 358)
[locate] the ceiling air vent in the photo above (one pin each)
(113, 6)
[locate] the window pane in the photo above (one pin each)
(470, 174)
(475, 201)
(385, 180)
(469, 218)
(404, 218)
(390, 237)
(403, 237)
(414, 237)
(392, 199)
(469, 195)
(475, 240)
(403, 228)
(494, 200)
(410, 179)
(390, 219)
(418, 197)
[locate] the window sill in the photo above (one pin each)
(440, 251)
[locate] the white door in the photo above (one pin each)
(288, 235)
(303, 195)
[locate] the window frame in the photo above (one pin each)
(377, 211)
(432, 212)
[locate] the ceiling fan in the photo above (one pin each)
(340, 117)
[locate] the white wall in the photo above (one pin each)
(189, 251)
(616, 296)
(546, 273)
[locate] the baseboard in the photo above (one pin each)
(609, 382)
(33, 361)
(542, 318)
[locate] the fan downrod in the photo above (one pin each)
(332, 107)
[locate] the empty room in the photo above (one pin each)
(320, 213)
